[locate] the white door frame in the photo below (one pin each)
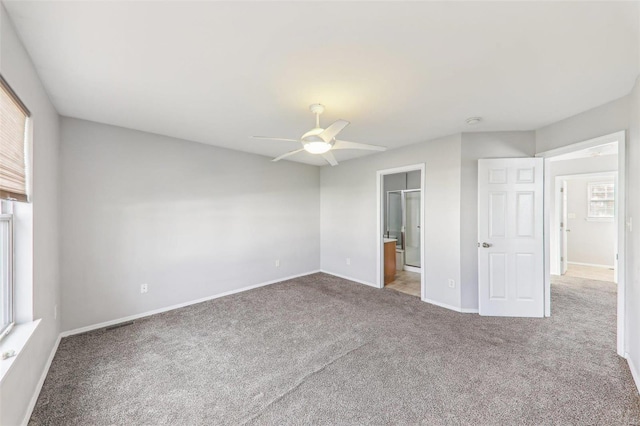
(380, 174)
(619, 137)
(558, 211)
(563, 218)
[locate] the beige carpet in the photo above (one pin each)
(321, 350)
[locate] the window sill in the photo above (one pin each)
(16, 340)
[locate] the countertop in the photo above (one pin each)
(390, 240)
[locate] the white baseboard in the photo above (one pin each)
(595, 265)
(634, 371)
(178, 306)
(349, 278)
(43, 376)
(411, 269)
(451, 307)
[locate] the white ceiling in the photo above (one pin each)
(401, 72)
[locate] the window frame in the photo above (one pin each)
(6, 328)
(590, 200)
(7, 215)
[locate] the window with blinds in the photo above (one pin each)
(601, 200)
(14, 118)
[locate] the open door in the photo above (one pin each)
(564, 220)
(510, 232)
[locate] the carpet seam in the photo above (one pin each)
(302, 381)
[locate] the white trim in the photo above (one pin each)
(595, 265)
(590, 143)
(621, 138)
(379, 232)
(452, 308)
(43, 376)
(178, 306)
(349, 278)
(635, 373)
(16, 341)
(412, 269)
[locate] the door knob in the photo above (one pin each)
(486, 245)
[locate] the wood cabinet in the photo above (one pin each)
(389, 262)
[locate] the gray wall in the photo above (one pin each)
(18, 386)
(348, 211)
(591, 242)
(606, 163)
(602, 120)
(474, 147)
(188, 219)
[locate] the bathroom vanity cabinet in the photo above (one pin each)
(389, 260)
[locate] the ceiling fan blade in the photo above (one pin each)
(275, 139)
(332, 131)
(355, 145)
(330, 158)
(287, 154)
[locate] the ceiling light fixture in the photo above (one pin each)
(472, 121)
(322, 141)
(316, 147)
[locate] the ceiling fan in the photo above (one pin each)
(322, 141)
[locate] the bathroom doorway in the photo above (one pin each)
(401, 226)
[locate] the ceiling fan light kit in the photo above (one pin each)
(320, 141)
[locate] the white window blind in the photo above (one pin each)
(13, 135)
(601, 199)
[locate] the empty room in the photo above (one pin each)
(310, 212)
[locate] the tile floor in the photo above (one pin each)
(406, 282)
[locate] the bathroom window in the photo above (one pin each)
(601, 199)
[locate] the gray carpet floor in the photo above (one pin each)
(322, 350)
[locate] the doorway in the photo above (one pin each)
(400, 229)
(586, 222)
(608, 149)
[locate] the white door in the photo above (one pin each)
(564, 237)
(510, 231)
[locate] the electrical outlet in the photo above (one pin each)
(277, 263)
(55, 311)
(348, 261)
(144, 288)
(452, 283)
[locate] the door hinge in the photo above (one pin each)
(561, 224)
(561, 259)
(616, 256)
(561, 189)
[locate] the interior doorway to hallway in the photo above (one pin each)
(594, 172)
